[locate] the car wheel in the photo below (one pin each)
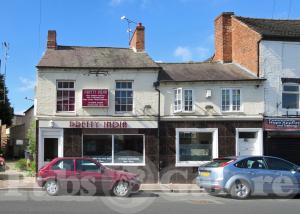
(240, 189)
(52, 187)
(121, 189)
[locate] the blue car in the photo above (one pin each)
(243, 176)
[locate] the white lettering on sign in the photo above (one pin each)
(98, 124)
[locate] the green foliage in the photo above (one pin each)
(30, 135)
(21, 164)
(6, 111)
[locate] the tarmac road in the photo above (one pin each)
(38, 202)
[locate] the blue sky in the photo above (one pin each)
(176, 30)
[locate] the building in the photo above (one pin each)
(270, 49)
(18, 133)
(87, 95)
(208, 111)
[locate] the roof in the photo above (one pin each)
(273, 28)
(191, 72)
(95, 57)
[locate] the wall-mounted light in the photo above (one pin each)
(51, 123)
(97, 73)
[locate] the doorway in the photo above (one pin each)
(249, 142)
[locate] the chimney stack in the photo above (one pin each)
(223, 37)
(137, 42)
(51, 43)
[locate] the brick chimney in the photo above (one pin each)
(223, 37)
(137, 42)
(51, 43)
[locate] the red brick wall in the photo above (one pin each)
(236, 42)
(223, 38)
(137, 41)
(245, 46)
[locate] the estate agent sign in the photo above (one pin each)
(282, 124)
(95, 98)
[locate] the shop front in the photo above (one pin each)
(125, 145)
(184, 145)
(282, 138)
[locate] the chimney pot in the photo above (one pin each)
(51, 43)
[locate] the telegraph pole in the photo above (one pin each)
(5, 48)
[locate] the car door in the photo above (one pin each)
(254, 170)
(286, 176)
(64, 172)
(90, 175)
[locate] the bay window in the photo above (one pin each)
(231, 99)
(290, 96)
(183, 100)
(115, 149)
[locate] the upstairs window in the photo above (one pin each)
(65, 96)
(290, 96)
(183, 100)
(123, 96)
(231, 99)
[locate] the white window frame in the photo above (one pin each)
(179, 96)
(118, 89)
(65, 89)
(215, 151)
(291, 84)
(231, 100)
(113, 151)
(259, 139)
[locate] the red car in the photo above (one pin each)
(2, 164)
(85, 174)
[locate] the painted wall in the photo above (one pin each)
(252, 99)
(278, 60)
(144, 93)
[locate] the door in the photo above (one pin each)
(286, 176)
(247, 143)
(89, 174)
(50, 149)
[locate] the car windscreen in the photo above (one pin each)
(218, 162)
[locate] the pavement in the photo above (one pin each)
(14, 179)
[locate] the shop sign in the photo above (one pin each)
(99, 124)
(95, 98)
(281, 124)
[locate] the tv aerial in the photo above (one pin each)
(129, 22)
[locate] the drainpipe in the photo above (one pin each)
(156, 86)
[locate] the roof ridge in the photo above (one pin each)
(269, 19)
(186, 63)
(77, 46)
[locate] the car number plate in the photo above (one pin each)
(204, 174)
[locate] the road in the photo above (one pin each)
(174, 203)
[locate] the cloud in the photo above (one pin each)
(183, 52)
(116, 2)
(26, 84)
(188, 54)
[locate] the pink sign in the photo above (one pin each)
(95, 98)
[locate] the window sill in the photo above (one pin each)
(190, 163)
(65, 113)
(232, 112)
(184, 112)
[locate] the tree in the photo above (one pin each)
(6, 111)
(30, 135)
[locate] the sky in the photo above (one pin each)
(176, 30)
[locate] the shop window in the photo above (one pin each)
(290, 96)
(195, 146)
(99, 147)
(231, 100)
(183, 100)
(128, 148)
(115, 149)
(65, 96)
(123, 96)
